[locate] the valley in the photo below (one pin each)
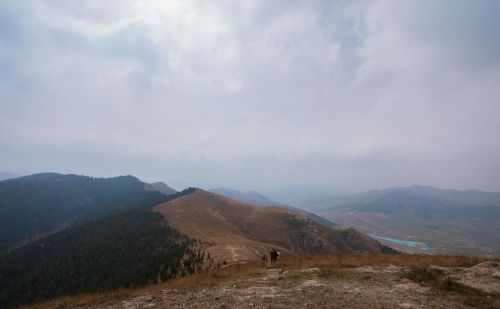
(447, 221)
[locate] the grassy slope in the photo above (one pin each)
(249, 231)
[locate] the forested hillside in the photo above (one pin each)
(33, 206)
(133, 248)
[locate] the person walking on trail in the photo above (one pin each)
(274, 255)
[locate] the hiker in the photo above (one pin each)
(274, 255)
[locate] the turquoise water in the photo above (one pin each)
(422, 246)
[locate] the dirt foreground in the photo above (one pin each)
(384, 286)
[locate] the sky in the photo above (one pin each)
(254, 95)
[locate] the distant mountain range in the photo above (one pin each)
(251, 197)
(163, 188)
(466, 197)
(449, 221)
(259, 199)
(297, 195)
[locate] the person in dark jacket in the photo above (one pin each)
(274, 255)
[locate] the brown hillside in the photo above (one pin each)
(236, 231)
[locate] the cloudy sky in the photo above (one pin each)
(254, 95)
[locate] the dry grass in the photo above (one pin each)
(214, 277)
(439, 281)
(334, 266)
(357, 260)
(195, 281)
(330, 266)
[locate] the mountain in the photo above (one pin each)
(466, 197)
(129, 249)
(94, 234)
(444, 221)
(163, 188)
(252, 197)
(32, 207)
(298, 195)
(7, 175)
(234, 231)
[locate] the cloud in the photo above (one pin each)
(440, 83)
(254, 93)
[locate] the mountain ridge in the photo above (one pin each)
(247, 197)
(37, 205)
(163, 188)
(461, 197)
(234, 229)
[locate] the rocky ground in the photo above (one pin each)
(361, 287)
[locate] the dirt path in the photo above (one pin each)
(363, 287)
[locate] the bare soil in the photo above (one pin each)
(383, 286)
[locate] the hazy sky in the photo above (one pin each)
(254, 95)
